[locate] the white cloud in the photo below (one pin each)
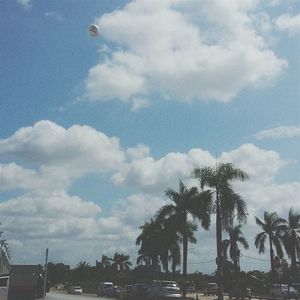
(288, 23)
(152, 175)
(73, 151)
(55, 15)
(261, 165)
(25, 3)
(138, 104)
(280, 132)
(182, 50)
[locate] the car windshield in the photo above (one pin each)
(108, 285)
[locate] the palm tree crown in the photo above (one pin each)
(235, 237)
(272, 227)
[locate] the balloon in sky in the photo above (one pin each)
(94, 30)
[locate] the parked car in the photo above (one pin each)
(283, 291)
(105, 289)
(211, 289)
(164, 289)
(75, 290)
(240, 293)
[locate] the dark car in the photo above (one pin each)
(240, 293)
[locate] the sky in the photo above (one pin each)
(94, 130)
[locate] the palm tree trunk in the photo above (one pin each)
(271, 254)
(185, 251)
(185, 246)
(219, 248)
(173, 265)
(293, 259)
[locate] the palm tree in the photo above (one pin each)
(121, 261)
(150, 242)
(169, 244)
(291, 237)
(226, 203)
(81, 272)
(105, 262)
(272, 227)
(231, 244)
(185, 202)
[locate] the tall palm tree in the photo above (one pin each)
(121, 261)
(226, 203)
(272, 227)
(169, 244)
(187, 202)
(291, 237)
(150, 242)
(235, 237)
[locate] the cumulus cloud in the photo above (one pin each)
(152, 175)
(261, 165)
(73, 151)
(164, 48)
(280, 132)
(288, 23)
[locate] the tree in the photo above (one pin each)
(121, 262)
(185, 202)
(150, 242)
(235, 237)
(82, 271)
(291, 237)
(272, 228)
(105, 263)
(226, 203)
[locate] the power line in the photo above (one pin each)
(200, 262)
(260, 259)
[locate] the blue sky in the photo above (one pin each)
(94, 130)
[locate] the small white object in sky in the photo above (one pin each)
(94, 30)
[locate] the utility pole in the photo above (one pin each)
(45, 277)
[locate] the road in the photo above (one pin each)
(61, 295)
(57, 295)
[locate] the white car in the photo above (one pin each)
(164, 289)
(282, 291)
(75, 290)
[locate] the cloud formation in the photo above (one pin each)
(164, 48)
(45, 212)
(288, 23)
(280, 132)
(50, 148)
